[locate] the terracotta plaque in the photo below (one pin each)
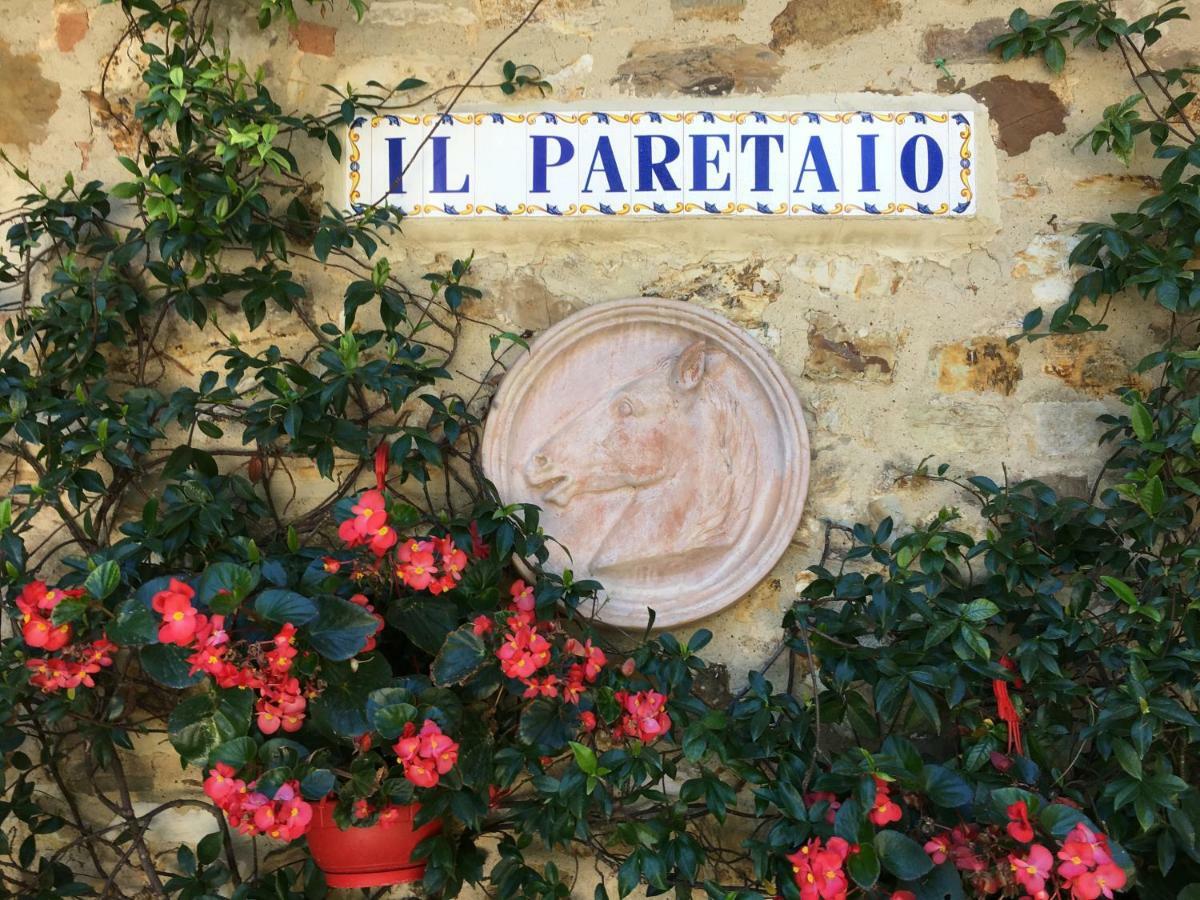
(666, 449)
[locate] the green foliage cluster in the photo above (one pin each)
(889, 661)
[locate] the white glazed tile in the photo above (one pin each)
(501, 148)
(665, 163)
(605, 170)
(762, 164)
(815, 170)
(551, 168)
(869, 179)
(709, 161)
(448, 163)
(657, 157)
(962, 158)
(924, 164)
(393, 141)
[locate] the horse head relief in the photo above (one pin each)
(676, 441)
(663, 445)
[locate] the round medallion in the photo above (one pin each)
(666, 449)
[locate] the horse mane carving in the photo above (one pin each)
(678, 442)
(726, 503)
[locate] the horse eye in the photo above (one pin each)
(625, 408)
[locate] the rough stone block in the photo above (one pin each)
(27, 97)
(835, 352)
(70, 25)
(1089, 364)
(1065, 430)
(962, 45)
(315, 38)
(713, 70)
(981, 364)
(959, 426)
(708, 9)
(740, 288)
(1021, 110)
(821, 24)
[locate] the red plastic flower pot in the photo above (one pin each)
(368, 857)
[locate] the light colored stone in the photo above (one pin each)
(666, 448)
(708, 9)
(1065, 430)
(955, 427)
(739, 288)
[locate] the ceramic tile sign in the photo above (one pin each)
(662, 164)
(664, 446)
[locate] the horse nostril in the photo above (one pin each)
(540, 461)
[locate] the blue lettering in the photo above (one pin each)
(867, 154)
(649, 169)
(541, 158)
(439, 168)
(908, 163)
(701, 162)
(815, 153)
(608, 166)
(395, 148)
(762, 158)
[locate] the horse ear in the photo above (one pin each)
(689, 366)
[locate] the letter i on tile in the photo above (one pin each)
(868, 157)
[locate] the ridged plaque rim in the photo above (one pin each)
(628, 608)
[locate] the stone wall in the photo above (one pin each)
(893, 333)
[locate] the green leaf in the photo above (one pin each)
(979, 611)
(103, 580)
(943, 883)
(546, 725)
(425, 622)
(1143, 424)
(1153, 495)
(340, 629)
(200, 724)
(167, 664)
(341, 708)
(133, 625)
(317, 784)
(1059, 819)
(224, 585)
(209, 848)
(461, 656)
(863, 866)
(1121, 589)
(585, 757)
(69, 610)
(901, 855)
(976, 641)
(236, 752)
(280, 606)
(1055, 55)
(945, 787)
(1129, 759)
(939, 631)
(390, 720)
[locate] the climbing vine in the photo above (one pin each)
(1012, 714)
